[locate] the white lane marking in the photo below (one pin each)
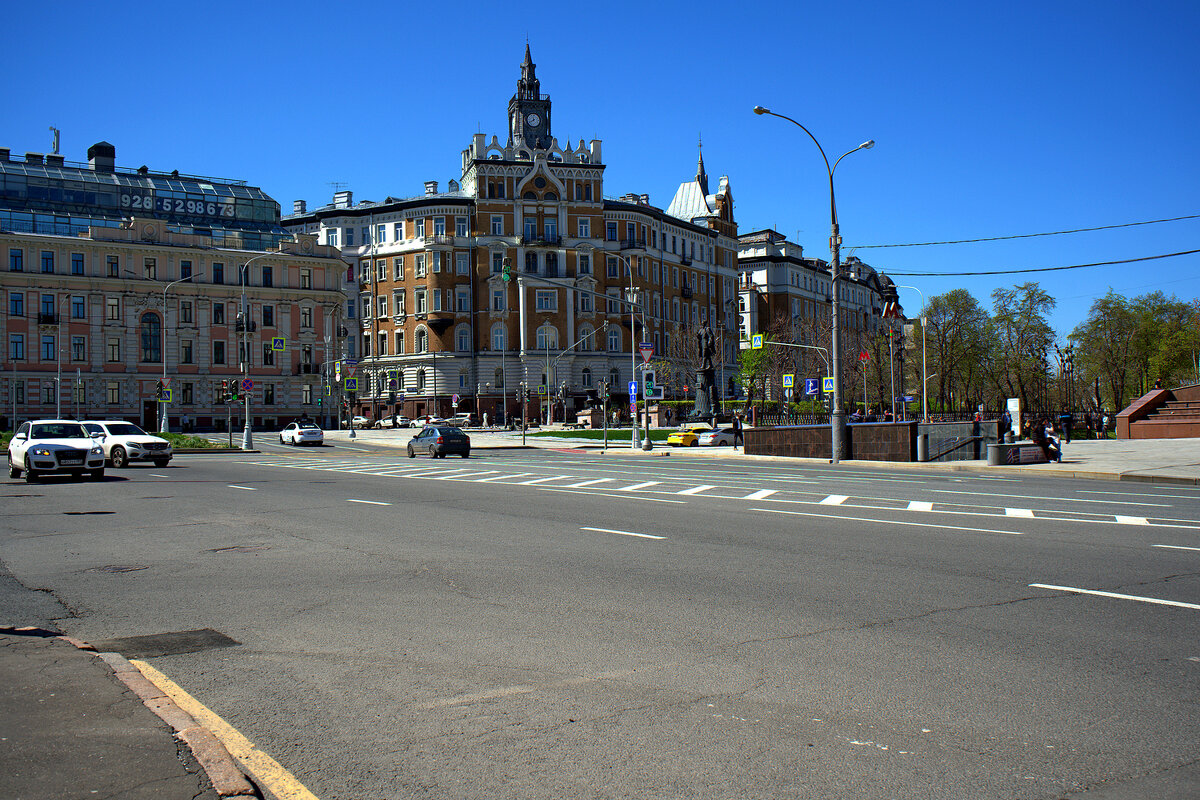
(246, 488)
(1154, 600)
(704, 487)
(1026, 513)
(592, 482)
(355, 449)
(886, 521)
(614, 496)
(1175, 547)
(154, 475)
(368, 502)
(637, 486)
(834, 500)
(1144, 494)
(761, 494)
(1131, 520)
(919, 505)
(501, 477)
(536, 481)
(1059, 499)
(624, 533)
(417, 474)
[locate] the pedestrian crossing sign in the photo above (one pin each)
(351, 385)
(827, 385)
(756, 341)
(789, 381)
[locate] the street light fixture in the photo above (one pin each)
(163, 425)
(837, 422)
(924, 368)
(247, 435)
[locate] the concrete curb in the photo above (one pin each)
(214, 451)
(222, 770)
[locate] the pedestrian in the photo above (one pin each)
(1158, 384)
(1037, 433)
(737, 432)
(1088, 425)
(1005, 423)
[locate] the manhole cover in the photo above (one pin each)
(240, 548)
(117, 568)
(165, 644)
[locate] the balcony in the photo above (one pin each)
(308, 369)
(47, 319)
(633, 244)
(439, 239)
(685, 260)
(541, 240)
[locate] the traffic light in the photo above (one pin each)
(604, 389)
(650, 384)
(158, 391)
(320, 401)
(506, 271)
(233, 391)
(224, 391)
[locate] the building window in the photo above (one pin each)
(112, 393)
(151, 327)
(218, 313)
(268, 355)
(218, 273)
(397, 231)
(16, 304)
(612, 268)
(185, 311)
(112, 309)
(585, 303)
(306, 279)
(150, 269)
(47, 305)
(587, 376)
(610, 231)
(398, 268)
(419, 304)
(463, 339)
(381, 269)
(185, 269)
(531, 263)
(331, 237)
(547, 338)
(366, 344)
(112, 266)
(462, 263)
(114, 349)
(78, 308)
(399, 297)
(439, 226)
(585, 228)
(218, 353)
(187, 394)
(78, 348)
(77, 263)
(16, 260)
(462, 300)
(436, 257)
(306, 317)
(497, 226)
(420, 228)
(460, 226)
(16, 347)
(269, 394)
(48, 349)
(497, 261)
(381, 233)
(419, 265)
(421, 381)
(498, 299)
(268, 316)
(399, 343)
(47, 261)
(499, 337)
(422, 341)
(437, 300)
(268, 276)
(614, 340)
(349, 237)
(186, 352)
(585, 264)
(306, 394)
(498, 378)
(382, 301)
(383, 343)
(546, 300)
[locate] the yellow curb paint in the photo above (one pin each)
(265, 769)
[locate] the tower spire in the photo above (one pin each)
(701, 177)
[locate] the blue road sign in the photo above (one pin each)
(810, 386)
(633, 388)
(789, 381)
(827, 385)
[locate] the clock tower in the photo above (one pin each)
(529, 111)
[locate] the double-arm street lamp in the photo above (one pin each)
(838, 419)
(924, 368)
(243, 272)
(163, 423)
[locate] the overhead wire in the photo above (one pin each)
(1030, 235)
(1039, 269)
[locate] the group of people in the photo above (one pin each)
(1042, 433)
(1097, 423)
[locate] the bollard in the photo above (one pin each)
(922, 447)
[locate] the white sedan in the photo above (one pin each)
(298, 433)
(124, 442)
(721, 437)
(48, 446)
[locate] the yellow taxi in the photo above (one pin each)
(687, 436)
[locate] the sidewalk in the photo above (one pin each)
(75, 724)
(1175, 461)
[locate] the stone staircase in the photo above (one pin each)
(1162, 414)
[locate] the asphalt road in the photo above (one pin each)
(563, 624)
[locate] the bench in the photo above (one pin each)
(1015, 453)
(574, 426)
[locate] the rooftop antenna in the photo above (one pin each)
(54, 142)
(337, 185)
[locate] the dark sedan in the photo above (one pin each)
(439, 441)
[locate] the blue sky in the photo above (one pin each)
(990, 119)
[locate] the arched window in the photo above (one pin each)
(422, 340)
(462, 339)
(551, 196)
(151, 338)
(587, 376)
(499, 378)
(547, 338)
(614, 377)
(529, 196)
(421, 380)
(585, 336)
(614, 340)
(499, 337)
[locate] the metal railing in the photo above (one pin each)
(633, 244)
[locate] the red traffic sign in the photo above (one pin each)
(647, 351)
(247, 384)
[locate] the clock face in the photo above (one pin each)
(534, 120)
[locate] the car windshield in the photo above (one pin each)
(57, 430)
(448, 433)
(126, 429)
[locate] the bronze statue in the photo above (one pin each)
(706, 375)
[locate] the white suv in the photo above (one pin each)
(49, 446)
(124, 442)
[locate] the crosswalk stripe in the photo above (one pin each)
(760, 494)
(589, 483)
(502, 477)
(696, 489)
(536, 481)
(1132, 520)
(637, 486)
(920, 505)
(834, 500)
(1018, 512)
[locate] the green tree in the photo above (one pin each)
(1018, 362)
(958, 331)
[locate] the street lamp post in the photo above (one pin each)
(924, 368)
(247, 435)
(838, 418)
(163, 423)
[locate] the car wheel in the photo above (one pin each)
(30, 475)
(432, 451)
(119, 459)
(98, 474)
(466, 454)
(411, 453)
(13, 470)
(695, 443)
(281, 441)
(158, 462)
